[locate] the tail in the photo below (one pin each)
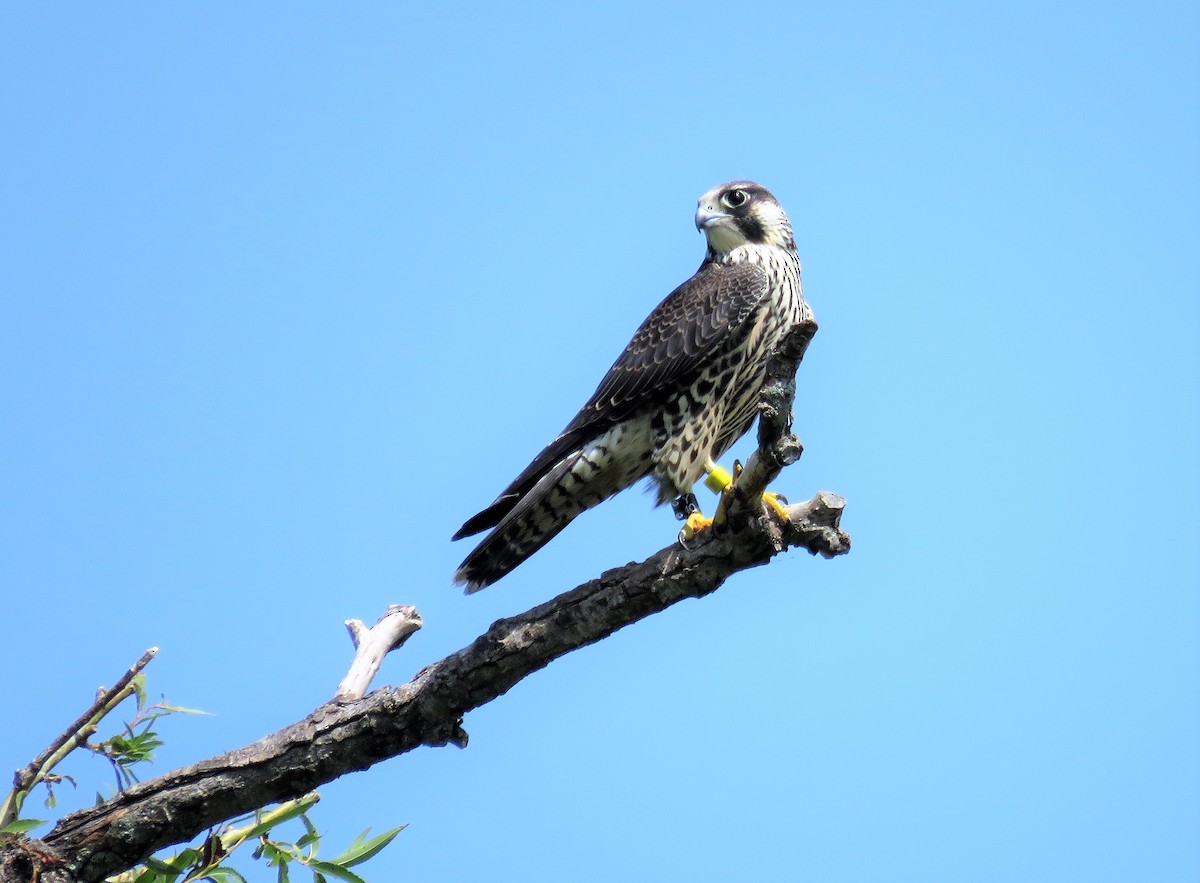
(526, 521)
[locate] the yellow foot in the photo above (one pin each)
(777, 503)
(695, 523)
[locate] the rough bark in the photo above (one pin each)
(343, 736)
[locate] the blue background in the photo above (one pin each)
(289, 291)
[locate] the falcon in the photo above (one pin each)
(682, 392)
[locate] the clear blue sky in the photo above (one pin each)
(291, 290)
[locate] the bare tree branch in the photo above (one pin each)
(395, 627)
(340, 737)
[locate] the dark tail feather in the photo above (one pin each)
(552, 456)
(489, 517)
(523, 526)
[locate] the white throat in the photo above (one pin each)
(724, 237)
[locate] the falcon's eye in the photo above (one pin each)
(736, 198)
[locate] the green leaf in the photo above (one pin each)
(135, 748)
(166, 869)
(227, 875)
(147, 876)
(309, 838)
(274, 854)
(21, 826)
(308, 824)
(174, 866)
(273, 818)
(334, 870)
(179, 709)
(362, 849)
(283, 874)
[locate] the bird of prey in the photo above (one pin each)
(682, 392)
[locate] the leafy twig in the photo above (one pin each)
(125, 750)
(208, 862)
(25, 779)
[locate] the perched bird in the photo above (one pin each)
(683, 391)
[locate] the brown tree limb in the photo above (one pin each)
(340, 737)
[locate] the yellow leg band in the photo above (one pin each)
(717, 479)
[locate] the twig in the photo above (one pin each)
(24, 779)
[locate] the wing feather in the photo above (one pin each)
(701, 318)
(695, 323)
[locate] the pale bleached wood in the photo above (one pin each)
(397, 625)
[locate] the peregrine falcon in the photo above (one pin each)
(683, 391)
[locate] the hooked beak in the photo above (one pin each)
(708, 215)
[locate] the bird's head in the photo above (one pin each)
(741, 213)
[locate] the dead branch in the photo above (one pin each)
(395, 627)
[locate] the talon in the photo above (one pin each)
(776, 503)
(695, 523)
